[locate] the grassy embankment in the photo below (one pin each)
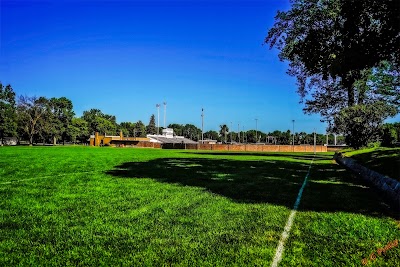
(106, 206)
(383, 160)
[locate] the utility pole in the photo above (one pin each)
(165, 113)
(231, 132)
(256, 130)
(293, 135)
(327, 138)
(238, 133)
(315, 141)
(202, 125)
(158, 119)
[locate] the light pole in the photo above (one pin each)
(165, 113)
(158, 119)
(256, 131)
(231, 132)
(293, 135)
(238, 133)
(315, 141)
(202, 125)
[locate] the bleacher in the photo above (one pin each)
(172, 140)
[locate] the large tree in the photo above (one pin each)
(151, 127)
(78, 130)
(30, 115)
(140, 129)
(178, 128)
(58, 118)
(8, 120)
(223, 131)
(213, 135)
(362, 123)
(332, 45)
(100, 122)
(388, 135)
(192, 132)
(333, 41)
(127, 128)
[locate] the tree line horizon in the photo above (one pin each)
(52, 120)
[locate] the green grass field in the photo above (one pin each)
(383, 160)
(82, 206)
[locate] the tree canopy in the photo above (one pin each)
(100, 122)
(342, 53)
(8, 125)
(334, 40)
(151, 127)
(31, 113)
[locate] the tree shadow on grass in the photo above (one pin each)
(242, 181)
(385, 161)
(275, 182)
(334, 189)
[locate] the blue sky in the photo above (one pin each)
(124, 57)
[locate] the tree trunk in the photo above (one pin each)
(348, 85)
(54, 141)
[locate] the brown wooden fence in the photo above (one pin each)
(248, 147)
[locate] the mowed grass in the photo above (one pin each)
(383, 160)
(85, 206)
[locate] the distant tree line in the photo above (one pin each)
(224, 135)
(53, 121)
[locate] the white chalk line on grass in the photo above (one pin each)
(44, 177)
(289, 223)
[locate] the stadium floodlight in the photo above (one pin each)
(165, 113)
(231, 132)
(256, 130)
(238, 132)
(158, 118)
(202, 125)
(293, 135)
(315, 141)
(243, 135)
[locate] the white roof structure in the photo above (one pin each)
(167, 137)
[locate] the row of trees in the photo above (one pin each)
(346, 58)
(53, 121)
(387, 134)
(40, 119)
(224, 135)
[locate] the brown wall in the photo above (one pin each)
(144, 142)
(107, 140)
(251, 148)
(122, 143)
